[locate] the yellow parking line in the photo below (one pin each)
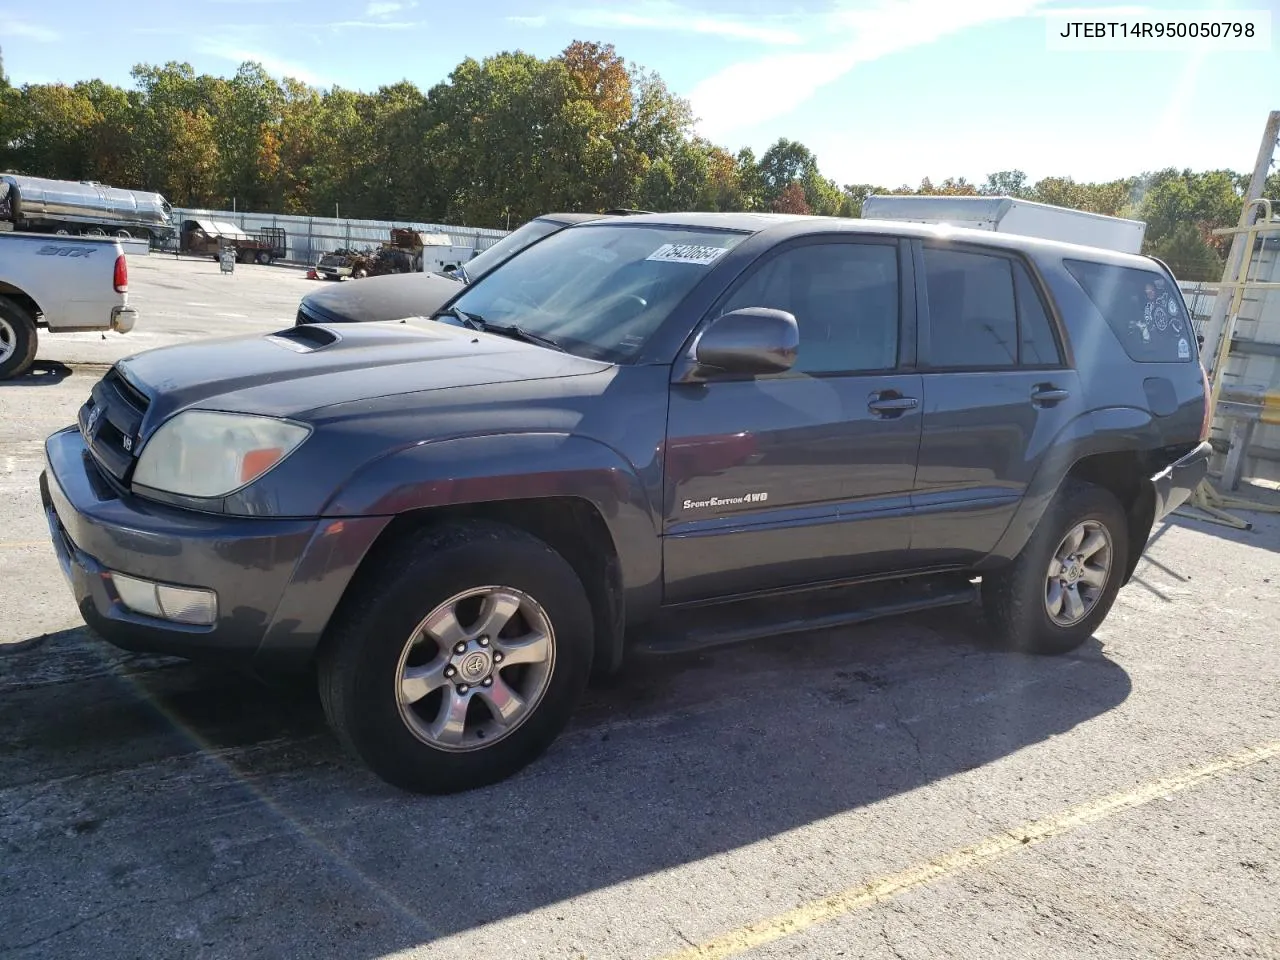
(985, 851)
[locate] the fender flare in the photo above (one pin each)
(1106, 430)
(498, 467)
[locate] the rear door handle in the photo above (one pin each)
(892, 405)
(1049, 394)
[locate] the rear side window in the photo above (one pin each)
(1036, 342)
(973, 320)
(1142, 308)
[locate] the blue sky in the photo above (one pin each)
(883, 91)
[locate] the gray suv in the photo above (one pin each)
(665, 431)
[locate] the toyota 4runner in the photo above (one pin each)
(669, 430)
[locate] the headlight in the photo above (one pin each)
(201, 453)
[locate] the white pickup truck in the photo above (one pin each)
(61, 283)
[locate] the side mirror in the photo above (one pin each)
(753, 340)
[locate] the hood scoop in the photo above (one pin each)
(306, 338)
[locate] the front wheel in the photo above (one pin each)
(457, 658)
(1062, 585)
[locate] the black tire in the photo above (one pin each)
(1014, 597)
(362, 648)
(264, 258)
(19, 326)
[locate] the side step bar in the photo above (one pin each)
(740, 621)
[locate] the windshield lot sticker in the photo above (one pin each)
(687, 253)
(725, 501)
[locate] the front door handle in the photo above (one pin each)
(1047, 393)
(891, 406)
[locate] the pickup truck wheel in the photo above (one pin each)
(18, 340)
(1063, 583)
(458, 659)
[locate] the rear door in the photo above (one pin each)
(803, 476)
(998, 389)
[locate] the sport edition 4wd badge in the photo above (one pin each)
(725, 501)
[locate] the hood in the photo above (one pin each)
(301, 370)
(392, 297)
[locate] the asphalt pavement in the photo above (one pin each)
(894, 790)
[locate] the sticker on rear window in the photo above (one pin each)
(687, 253)
(1184, 350)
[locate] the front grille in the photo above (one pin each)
(110, 422)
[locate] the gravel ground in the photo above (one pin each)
(150, 807)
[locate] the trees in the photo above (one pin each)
(496, 142)
(790, 200)
(1005, 183)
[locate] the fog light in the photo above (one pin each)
(179, 604)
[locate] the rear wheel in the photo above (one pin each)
(264, 258)
(458, 658)
(18, 340)
(1064, 582)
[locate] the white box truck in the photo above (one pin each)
(1010, 215)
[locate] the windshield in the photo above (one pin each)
(509, 246)
(598, 291)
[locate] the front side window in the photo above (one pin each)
(598, 291)
(844, 297)
(1141, 307)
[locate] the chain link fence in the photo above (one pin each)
(307, 239)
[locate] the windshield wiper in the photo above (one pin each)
(520, 333)
(460, 273)
(472, 320)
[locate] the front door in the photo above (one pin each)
(802, 476)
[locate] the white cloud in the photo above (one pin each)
(386, 8)
(528, 21)
(28, 31)
(1096, 13)
(375, 25)
(662, 15)
(274, 65)
(751, 91)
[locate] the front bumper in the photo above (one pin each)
(123, 319)
(1176, 482)
(278, 581)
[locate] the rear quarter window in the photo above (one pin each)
(1143, 308)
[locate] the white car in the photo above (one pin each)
(63, 284)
